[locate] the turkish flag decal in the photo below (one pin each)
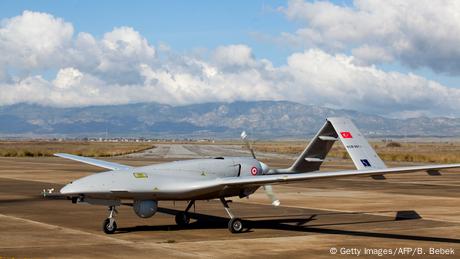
(346, 134)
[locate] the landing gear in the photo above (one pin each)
(109, 225)
(182, 218)
(235, 225)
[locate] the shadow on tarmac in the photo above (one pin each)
(290, 223)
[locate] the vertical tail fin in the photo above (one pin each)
(316, 151)
(362, 154)
(343, 129)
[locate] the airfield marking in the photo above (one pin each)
(234, 246)
(100, 239)
(27, 180)
(429, 183)
(65, 229)
(344, 211)
(200, 151)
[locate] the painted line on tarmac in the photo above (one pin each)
(66, 230)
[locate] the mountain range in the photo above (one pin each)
(262, 119)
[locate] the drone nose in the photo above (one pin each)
(68, 189)
(264, 167)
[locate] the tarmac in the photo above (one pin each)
(331, 218)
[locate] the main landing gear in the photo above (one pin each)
(235, 225)
(182, 218)
(109, 225)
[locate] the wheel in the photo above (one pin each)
(235, 225)
(107, 228)
(182, 219)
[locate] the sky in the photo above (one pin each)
(392, 58)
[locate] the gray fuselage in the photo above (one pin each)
(180, 180)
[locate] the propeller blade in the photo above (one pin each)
(244, 137)
(265, 169)
(271, 195)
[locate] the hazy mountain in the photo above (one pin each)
(263, 119)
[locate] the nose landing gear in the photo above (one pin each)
(109, 225)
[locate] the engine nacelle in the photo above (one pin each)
(145, 208)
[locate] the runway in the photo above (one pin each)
(315, 217)
(183, 151)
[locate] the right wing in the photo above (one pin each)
(95, 162)
(290, 177)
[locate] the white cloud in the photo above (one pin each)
(33, 40)
(4, 77)
(234, 55)
(115, 57)
(67, 77)
(337, 81)
(366, 54)
(33, 89)
(122, 67)
(123, 47)
(418, 33)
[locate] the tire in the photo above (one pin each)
(106, 227)
(235, 225)
(182, 219)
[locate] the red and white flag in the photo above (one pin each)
(346, 134)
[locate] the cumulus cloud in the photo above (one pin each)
(68, 77)
(37, 41)
(120, 51)
(337, 81)
(418, 33)
(122, 67)
(234, 55)
(33, 40)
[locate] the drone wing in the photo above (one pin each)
(95, 162)
(286, 178)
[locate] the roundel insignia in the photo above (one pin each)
(254, 170)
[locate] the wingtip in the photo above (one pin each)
(60, 154)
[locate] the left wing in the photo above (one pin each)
(285, 178)
(95, 162)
